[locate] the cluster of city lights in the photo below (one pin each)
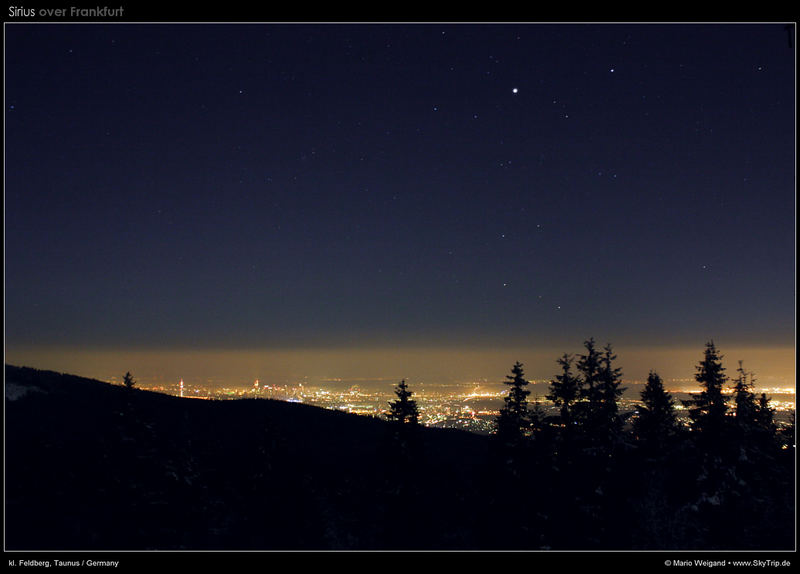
(474, 407)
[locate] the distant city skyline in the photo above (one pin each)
(773, 367)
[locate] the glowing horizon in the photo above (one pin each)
(774, 367)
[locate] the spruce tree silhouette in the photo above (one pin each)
(765, 481)
(402, 458)
(715, 448)
(762, 440)
(403, 418)
(128, 380)
(511, 465)
(610, 391)
(565, 391)
(404, 409)
(656, 423)
(708, 410)
(765, 415)
(588, 410)
(745, 405)
(658, 468)
(756, 453)
(513, 421)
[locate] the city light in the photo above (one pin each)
(469, 406)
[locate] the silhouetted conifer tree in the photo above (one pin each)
(603, 429)
(766, 439)
(565, 391)
(708, 410)
(716, 448)
(657, 422)
(598, 412)
(589, 366)
(513, 421)
(511, 457)
(128, 380)
(765, 415)
(403, 417)
(745, 406)
(659, 469)
(402, 458)
(404, 409)
(587, 411)
(757, 434)
(609, 391)
(750, 494)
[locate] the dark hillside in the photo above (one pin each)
(92, 466)
(95, 466)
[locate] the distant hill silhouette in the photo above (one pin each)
(90, 465)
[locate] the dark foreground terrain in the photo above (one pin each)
(95, 466)
(91, 466)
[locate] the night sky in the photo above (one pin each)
(294, 187)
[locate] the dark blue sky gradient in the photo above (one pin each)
(236, 186)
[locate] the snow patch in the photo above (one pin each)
(16, 391)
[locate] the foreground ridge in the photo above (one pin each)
(93, 466)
